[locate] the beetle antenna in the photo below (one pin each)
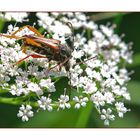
(91, 58)
(69, 24)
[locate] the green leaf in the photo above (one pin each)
(54, 119)
(136, 61)
(84, 115)
(41, 30)
(134, 89)
(2, 22)
(131, 119)
(117, 21)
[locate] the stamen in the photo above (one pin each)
(45, 33)
(15, 24)
(34, 24)
(65, 91)
(122, 35)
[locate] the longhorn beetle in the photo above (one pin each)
(52, 49)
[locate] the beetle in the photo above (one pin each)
(42, 47)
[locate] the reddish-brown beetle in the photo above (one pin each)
(42, 47)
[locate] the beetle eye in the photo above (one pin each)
(62, 47)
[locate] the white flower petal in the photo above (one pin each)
(77, 106)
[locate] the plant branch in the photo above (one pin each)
(19, 101)
(103, 16)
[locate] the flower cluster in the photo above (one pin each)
(17, 16)
(96, 68)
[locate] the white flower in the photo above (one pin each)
(98, 99)
(109, 97)
(25, 112)
(62, 30)
(33, 70)
(44, 19)
(21, 80)
(80, 41)
(115, 39)
(106, 116)
(121, 109)
(11, 28)
(94, 63)
(118, 79)
(122, 77)
(18, 16)
(125, 93)
(74, 79)
(48, 84)
(93, 74)
(77, 54)
(121, 92)
(90, 88)
(117, 90)
(80, 101)
(107, 31)
(63, 101)
(78, 69)
(35, 88)
(80, 16)
(105, 71)
(91, 25)
(96, 75)
(45, 103)
(83, 80)
(110, 82)
(98, 35)
(90, 48)
(89, 72)
(17, 90)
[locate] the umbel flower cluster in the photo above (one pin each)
(96, 73)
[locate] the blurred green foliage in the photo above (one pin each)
(127, 23)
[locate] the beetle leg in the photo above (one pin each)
(12, 36)
(32, 55)
(30, 28)
(27, 26)
(24, 48)
(59, 64)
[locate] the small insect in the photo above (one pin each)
(42, 47)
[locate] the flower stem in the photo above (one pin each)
(19, 101)
(13, 101)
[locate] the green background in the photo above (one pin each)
(127, 23)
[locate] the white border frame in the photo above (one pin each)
(69, 134)
(70, 5)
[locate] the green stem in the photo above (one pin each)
(19, 101)
(103, 16)
(3, 91)
(13, 101)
